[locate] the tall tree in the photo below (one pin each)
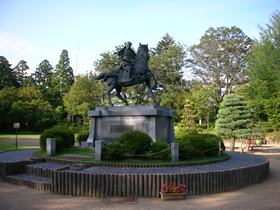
(84, 95)
(188, 123)
(7, 74)
(264, 65)
(24, 109)
(167, 62)
(63, 77)
(203, 99)
(8, 95)
(42, 76)
(233, 118)
(219, 60)
(21, 71)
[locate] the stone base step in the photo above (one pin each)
(37, 159)
(43, 169)
(39, 183)
(79, 166)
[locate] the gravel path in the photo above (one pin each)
(16, 155)
(237, 160)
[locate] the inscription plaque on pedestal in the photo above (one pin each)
(121, 128)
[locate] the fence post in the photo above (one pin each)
(175, 152)
(50, 146)
(219, 152)
(98, 149)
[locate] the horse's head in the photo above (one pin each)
(143, 51)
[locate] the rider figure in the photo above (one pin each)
(127, 55)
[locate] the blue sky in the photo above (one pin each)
(34, 30)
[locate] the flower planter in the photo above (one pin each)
(172, 196)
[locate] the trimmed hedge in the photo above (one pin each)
(198, 145)
(82, 136)
(114, 152)
(159, 146)
(64, 138)
(136, 142)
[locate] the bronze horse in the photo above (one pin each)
(140, 74)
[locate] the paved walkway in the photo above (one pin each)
(265, 195)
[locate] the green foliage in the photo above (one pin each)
(63, 77)
(114, 153)
(64, 138)
(198, 145)
(266, 126)
(82, 136)
(83, 96)
(272, 109)
(20, 71)
(212, 144)
(218, 60)
(167, 61)
(8, 95)
(7, 74)
(136, 142)
(188, 123)
(42, 76)
(159, 146)
(187, 150)
(233, 117)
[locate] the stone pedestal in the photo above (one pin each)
(108, 123)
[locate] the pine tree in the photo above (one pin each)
(233, 118)
(63, 77)
(43, 76)
(166, 62)
(188, 123)
(20, 71)
(7, 74)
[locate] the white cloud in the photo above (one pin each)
(15, 45)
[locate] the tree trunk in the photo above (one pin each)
(232, 142)
(207, 121)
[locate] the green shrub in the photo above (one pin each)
(198, 145)
(266, 126)
(115, 151)
(82, 136)
(186, 150)
(64, 138)
(180, 134)
(159, 146)
(136, 142)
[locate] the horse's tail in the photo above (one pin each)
(101, 76)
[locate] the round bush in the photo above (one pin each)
(114, 152)
(186, 150)
(64, 138)
(82, 136)
(136, 142)
(212, 144)
(159, 146)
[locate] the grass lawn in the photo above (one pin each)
(21, 134)
(11, 146)
(130, 160)
(71, 150)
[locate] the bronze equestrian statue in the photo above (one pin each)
(132, 71)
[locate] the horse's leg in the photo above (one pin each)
(110, 88)
(118, 94)
(148, 82)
